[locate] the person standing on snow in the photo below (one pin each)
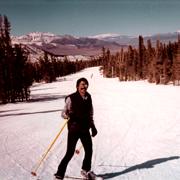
(79, 110)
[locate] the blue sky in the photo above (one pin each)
(92, 17)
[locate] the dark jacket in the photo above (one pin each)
(81, 113)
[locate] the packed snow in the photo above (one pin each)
(138, 130)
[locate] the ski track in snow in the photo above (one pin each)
(138, 130)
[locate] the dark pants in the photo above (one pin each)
(73, 137)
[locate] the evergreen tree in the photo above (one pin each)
(176, 65)
(151, 68)
(22, 73)
(14, 84)
(141, 56)
(7, 60)
(2, 64)
(47, 68)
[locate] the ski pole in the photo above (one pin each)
(49, 148)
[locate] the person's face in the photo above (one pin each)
(82, 88)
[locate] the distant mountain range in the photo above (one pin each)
(132, 40)
(61, 45)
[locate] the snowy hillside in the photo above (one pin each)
(138, 130)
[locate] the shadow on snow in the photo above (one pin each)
(147, 164)
(45, 97)
(35, 98)
(27, 113)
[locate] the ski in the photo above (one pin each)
(73, 177)
(78, 177)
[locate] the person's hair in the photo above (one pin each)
(82, 79)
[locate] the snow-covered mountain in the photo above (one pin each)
(120, 39)
(35, 37)
(165, 37)
(104, 36)
(109, 39)
(61, 45)
(133, 40)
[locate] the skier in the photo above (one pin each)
(79, 110)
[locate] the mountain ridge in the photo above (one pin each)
(68, 45)
(65, 44)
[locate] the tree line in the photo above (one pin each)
(159, 64)
(49, 67)
(18, 72)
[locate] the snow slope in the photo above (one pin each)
(138, 130)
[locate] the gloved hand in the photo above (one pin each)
(93, 130)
